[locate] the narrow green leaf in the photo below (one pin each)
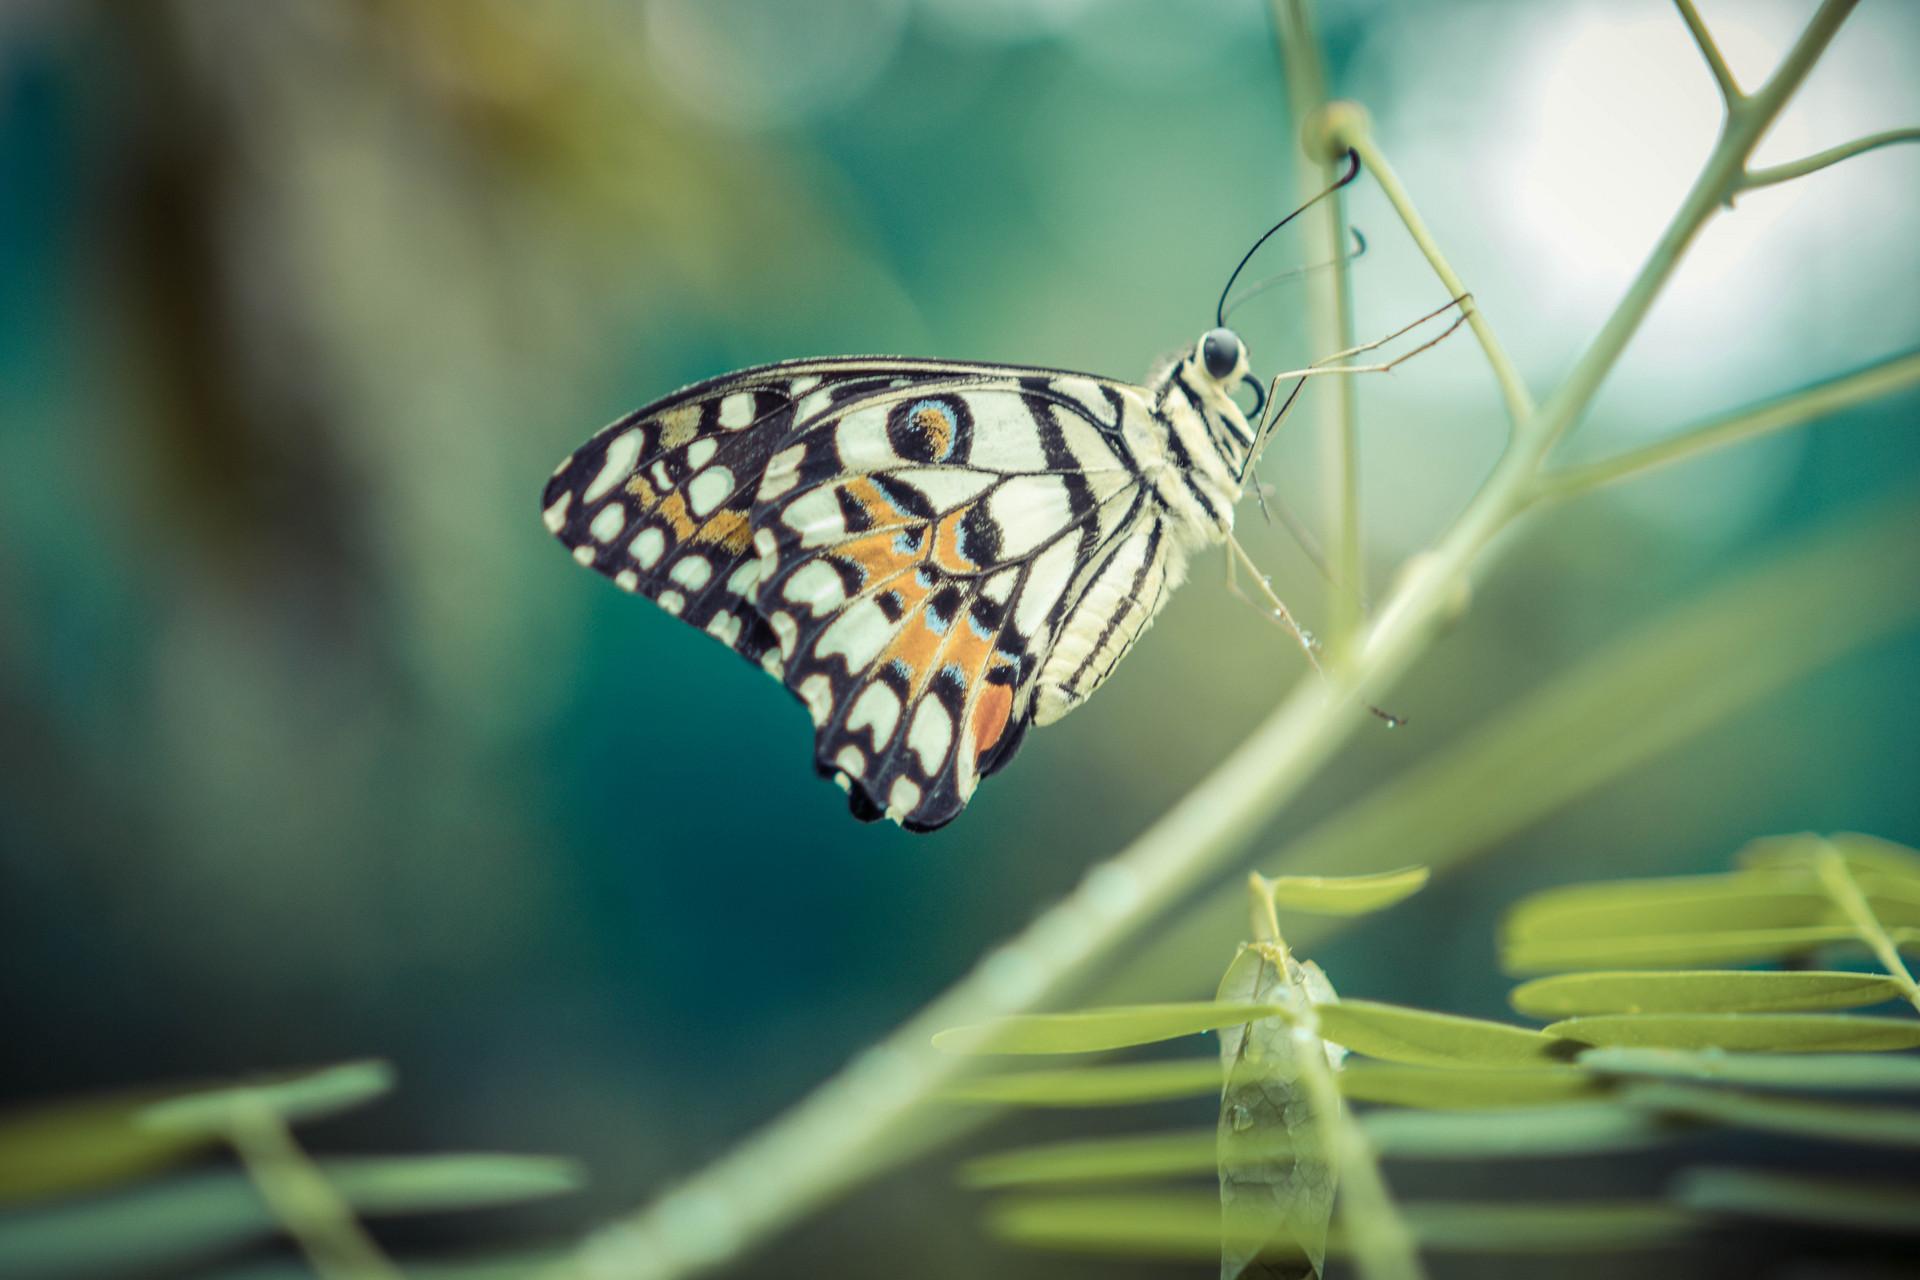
(1776, 897)
(1758, 1032)
(1786, 1197)
(1153, 1155)
(1563, 1226)
(1185, 1225)
(1096, 1030)
(83, 1144)
(1094, 1086)
(1862, 852)
(428, 1184)
(309, 1095)
(1582, 1128)
(1465, 1087)
(1400, 1034)
(1707, 990)
(1346, 895)
(168, 1226)
(1753, 946)
(1831, 1072)
(1178, 1225)
(1771, 1113)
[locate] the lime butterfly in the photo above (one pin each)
(934, 556)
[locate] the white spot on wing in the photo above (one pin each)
(1086, 392)
(1029, 510)
(800, 386)
(556, 515)
(692, 572)
(785, 630)
(858, 634)
(1045, 582)
(583, 554)
(725, 627)
(816, 585)
(817, 692)
(816, 516)
(701, 451)
(946, 487)
(622, 452)
(861, 438)
(783, 471)
(709, 489)
(672, 601)
(877, 708)
(902, 799)
(930, 734)
(852, 761)
(627, 580)
(736, 411)
(607, 525)
(647, 546)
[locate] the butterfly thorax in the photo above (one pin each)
(1192, 445)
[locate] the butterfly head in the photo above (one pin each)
(1218, 368)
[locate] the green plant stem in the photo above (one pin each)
(1353, 132)
(1806, 405)
(1329, 326)
(840, 1131)
(306, 1204)
(1837, 879)
(1709, 50)
(1821, 159)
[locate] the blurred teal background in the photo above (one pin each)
(316, 746)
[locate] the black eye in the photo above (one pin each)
(1220, 353)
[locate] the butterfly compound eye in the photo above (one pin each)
(1220, 352)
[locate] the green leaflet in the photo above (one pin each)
(1739, 946)
(1771, 1113)
(1827, 1072)
(1185, 1225)
(1344, 895)
(183, 1220)
(1400, 1034)
(1465, 1087)
(295, 1098)
(1716, 990)
(1093, 1086)
(1574, 1129)
(1137, 1156)
(1823, 1202)
(1758, 1032)
(1096, 1030)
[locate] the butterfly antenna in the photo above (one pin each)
(1259, 287)
(1353, 171)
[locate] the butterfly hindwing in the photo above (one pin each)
(923, 546)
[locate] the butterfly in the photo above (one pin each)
(933, 556)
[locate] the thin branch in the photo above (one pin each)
(306, 1204)
(1352, 130)
(1819, 160)
(1722, 74)
(1837, 879)
(1809, 404)
(1329, 325)
(1747, 122)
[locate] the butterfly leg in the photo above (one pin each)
(1275, 610)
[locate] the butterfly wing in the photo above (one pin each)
(932, 556)
(661, 499)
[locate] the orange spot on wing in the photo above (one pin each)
(946, 544)
(727, 529)
(990, 713)
(878, 557)
(673, 510)
(875, 503)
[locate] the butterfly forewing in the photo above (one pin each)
(931, 555)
